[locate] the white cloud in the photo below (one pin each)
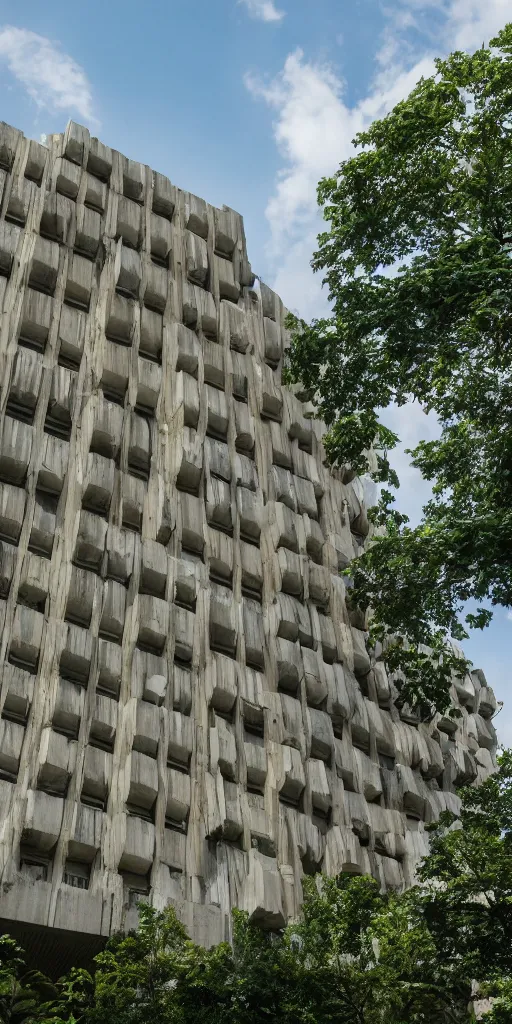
(51, 78)
(263, 10)
(467, 23)
(314, 126)
(412, 426)
(509, 616)
(313, 131)
(472, 22)
(310, 131)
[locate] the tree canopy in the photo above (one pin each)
(417, 260)
(357, 956)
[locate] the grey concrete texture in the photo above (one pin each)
(188, 711)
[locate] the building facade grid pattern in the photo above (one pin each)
(188, 709)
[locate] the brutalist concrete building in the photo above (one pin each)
(188, 712)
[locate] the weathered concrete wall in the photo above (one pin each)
(188, 710)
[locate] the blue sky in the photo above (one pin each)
(248, 103)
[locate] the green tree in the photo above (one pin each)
(417, 260)
(24, 994)
(368, 958)
(157, 974)
(357, 956)
(136, 975)
(466, 892)
(501, 1004)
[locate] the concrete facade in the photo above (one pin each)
(188, 711)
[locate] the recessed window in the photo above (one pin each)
(97, 802)
(177, 826)
(34, 865)
(135, 811)
(77, 874)
(137, 887)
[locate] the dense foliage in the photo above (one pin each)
(358, 956)
(24, 994)
(417, 259)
